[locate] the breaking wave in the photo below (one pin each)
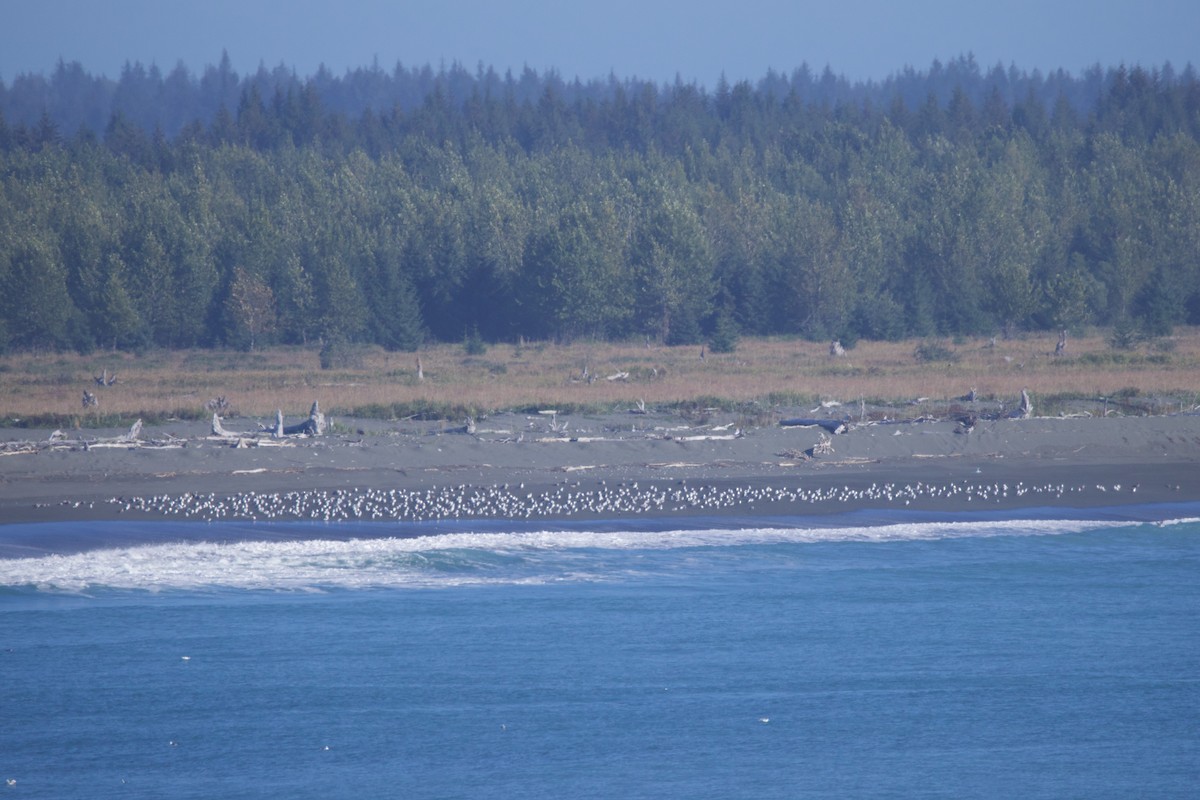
(449, 559)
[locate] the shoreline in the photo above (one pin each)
(41, 539)
(525, 468)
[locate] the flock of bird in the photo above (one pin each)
(569, 499)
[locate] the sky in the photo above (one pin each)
(696, 40)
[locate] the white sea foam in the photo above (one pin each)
(442, 560)
(1182, 521)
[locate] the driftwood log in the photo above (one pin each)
(1025, 410)
(821, 448)
(218, 429)
(60, 441)
(834, 426)
(313, 426)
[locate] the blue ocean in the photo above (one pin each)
(914, 656)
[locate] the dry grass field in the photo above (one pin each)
(761, 374)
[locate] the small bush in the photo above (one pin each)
(1125, 335)
(685, 329)
(340, 354)
(1102, 359)
(934, 351)
(473, 344)
(724, 337)
(642, 372)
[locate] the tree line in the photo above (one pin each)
(504, 208)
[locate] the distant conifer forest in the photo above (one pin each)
(395, 207)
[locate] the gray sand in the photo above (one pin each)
(1074, 462)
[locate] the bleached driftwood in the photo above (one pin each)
(821, 448)
(126, 440)
(59, 441)
(135, 430)
(966, 423)
(468, 427)
(218, 430)
(834, 426)
(1025, 410)
(313, 426)
(710, 437)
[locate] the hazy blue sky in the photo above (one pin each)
(698, 39)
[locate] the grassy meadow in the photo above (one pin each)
(760, 376)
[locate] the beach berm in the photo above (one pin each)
(528, 466)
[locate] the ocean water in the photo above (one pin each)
(908, 657)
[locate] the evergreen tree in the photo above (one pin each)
(38, 306)
(724, 338)
(673, 268)
(390, 206)
(115, 320)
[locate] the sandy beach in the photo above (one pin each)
(543, 466)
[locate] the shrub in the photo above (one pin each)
(1124, 335)
(340, 354)
(473, 344)
(724, 337)
(934, 351)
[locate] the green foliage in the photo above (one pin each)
(934, 351)
(419, 410)
(876, 316)
(1124, 335)
(683, 329)
(473, 344)
(671, 266)
(1161, 302)
(283, 219)
(724, 338)
(1067, 297)
(115, 319)
(396, 312)
(251, 308)
(337, 353)
(96, 419)
(35, 299)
